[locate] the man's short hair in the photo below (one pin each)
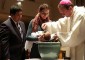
(14, 9)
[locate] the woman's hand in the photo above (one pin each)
(41, 38)
(44, 37)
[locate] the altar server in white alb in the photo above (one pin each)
(71, 28)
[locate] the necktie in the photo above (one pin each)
(20, 30)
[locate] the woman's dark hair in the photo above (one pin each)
(43, 7)
(14, 9)
(66, 6)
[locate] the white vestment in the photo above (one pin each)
(71, 31)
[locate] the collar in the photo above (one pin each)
(14, 21)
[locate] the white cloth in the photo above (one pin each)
(71, 31)
(28, 45)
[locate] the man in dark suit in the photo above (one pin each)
(13, 39)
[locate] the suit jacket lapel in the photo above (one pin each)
(13, 27)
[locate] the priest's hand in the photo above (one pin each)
(55, 38)
(44, 26)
